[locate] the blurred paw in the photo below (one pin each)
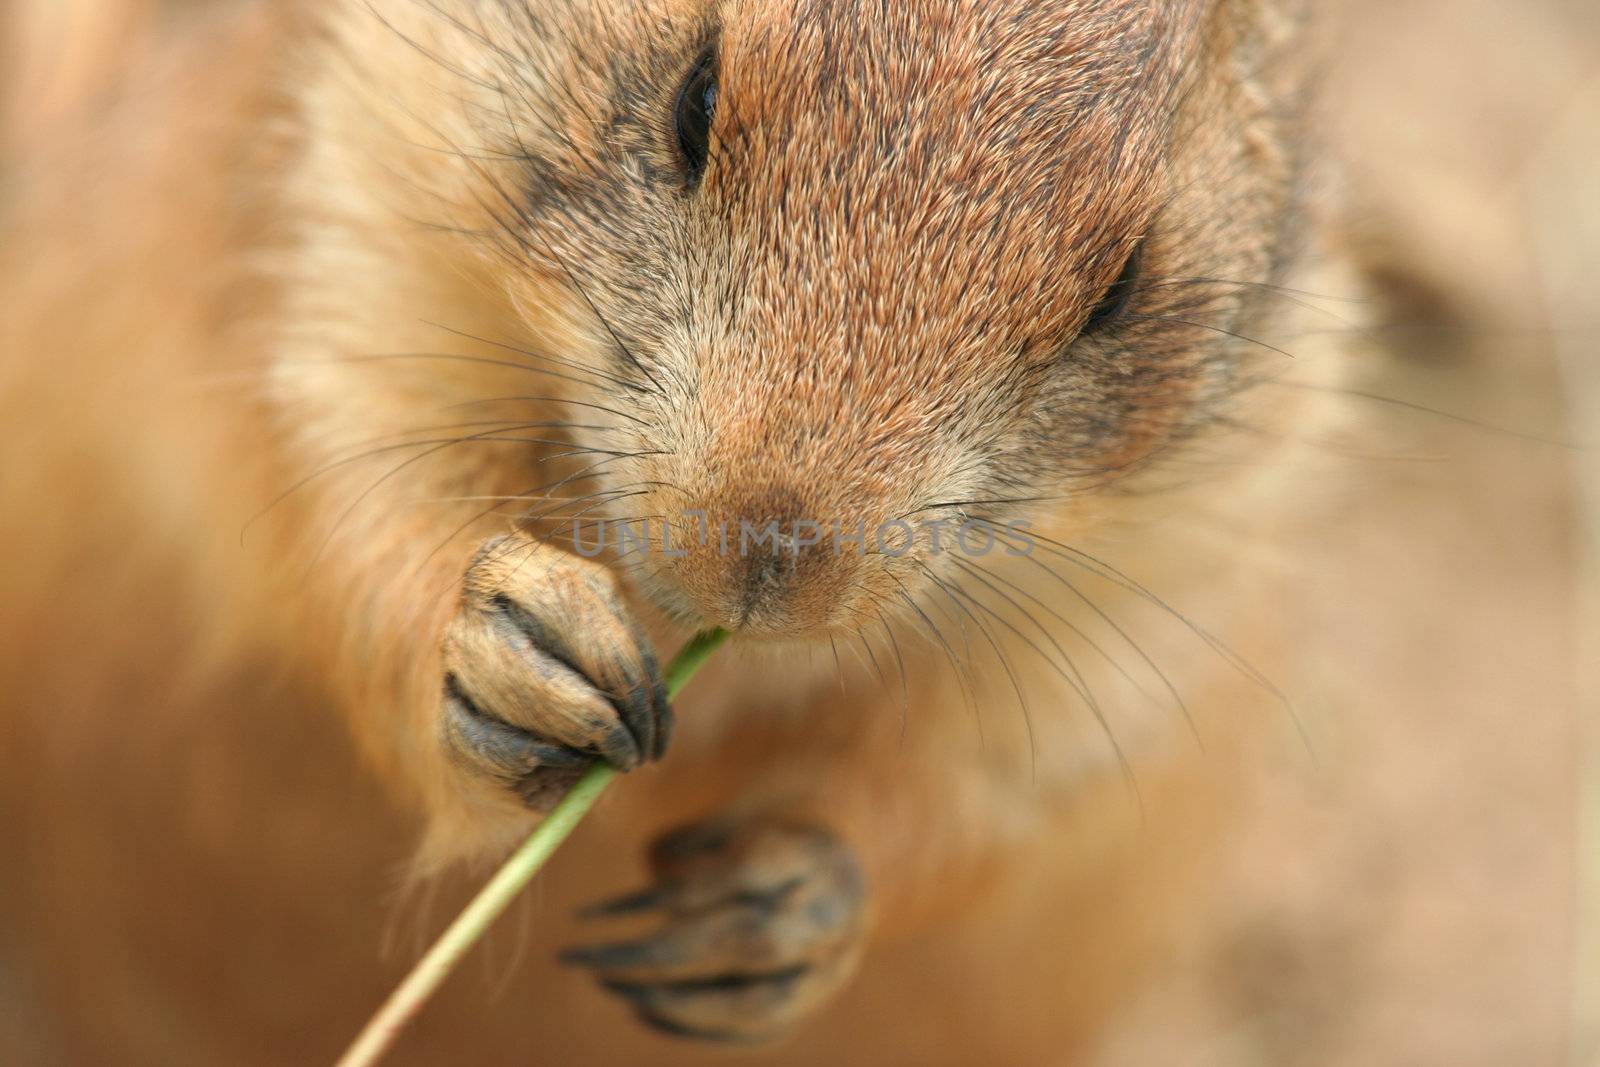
(762, 924)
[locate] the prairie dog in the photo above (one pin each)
(425, 297)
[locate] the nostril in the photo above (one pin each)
(769, 571)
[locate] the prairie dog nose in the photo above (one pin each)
(771, 558)
(768, 566)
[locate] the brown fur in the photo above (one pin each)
(432, 230)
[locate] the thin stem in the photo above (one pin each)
(380, 1034)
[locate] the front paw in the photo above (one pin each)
(546, 672)
(762, 924)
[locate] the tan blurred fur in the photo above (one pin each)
(178, 784)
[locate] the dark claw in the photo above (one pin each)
(639, 717)
(513, 751)
(621, 749)
(664, 715)
(653, 953)
(676, 1029)
(722, 983)
(632, 904)
(691, 841)
(654, 1003)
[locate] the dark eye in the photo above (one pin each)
(693, 115)
(1115, 302)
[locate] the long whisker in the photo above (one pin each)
(1111, 574)
(956, 593)
(456, 357)
(838, 667)
(959, 505)
(1214, 329)
(968, 691)
(609, 379)
(547, 488)
(1078, 682)
(883, 679)
(547, 400)
(1298, 297)
(444, 446)
(1411, 405)
(1127, 639)
(1094, 706)
(900, 665)
(433, 445)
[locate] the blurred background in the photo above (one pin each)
(1443, 877)
(1472, 127)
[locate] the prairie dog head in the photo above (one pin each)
(823, 267)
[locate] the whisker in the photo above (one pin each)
(959, 505)
(455, 357)
(1127, 639)
(900, 664)
(433, 446)
(547, 488)
(961, 673)
(1078, 682)
(1214, 329)
(1298, 297)
(548, 400)
(883, 679)
(1111, 574)
(441, 447)
(1411, 405)
(955, 593)
(838, 667)
(609, 379)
